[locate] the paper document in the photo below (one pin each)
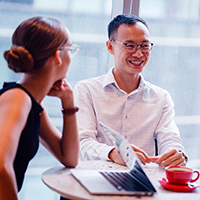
(121, 144)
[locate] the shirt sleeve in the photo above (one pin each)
(89, 130)
(167, 132)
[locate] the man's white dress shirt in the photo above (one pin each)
(145, 114)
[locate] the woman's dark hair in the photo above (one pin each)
(127, 19)
(33, 42)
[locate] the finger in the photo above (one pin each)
(176, 159)
(65, 83)
(178, 162)
(57, 85)
(136, 149)
(142, 158)
(182, 163)
(165, 156)
(154, 158)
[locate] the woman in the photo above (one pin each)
(41, 49)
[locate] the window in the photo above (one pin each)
(174, 63)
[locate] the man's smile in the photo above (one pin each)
(136, 63)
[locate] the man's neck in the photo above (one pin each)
(127, 83)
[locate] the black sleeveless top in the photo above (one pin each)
(29, 139)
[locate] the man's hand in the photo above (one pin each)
(171, 158)
(142, 155)
(115, 157)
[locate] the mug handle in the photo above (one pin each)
(193, 180)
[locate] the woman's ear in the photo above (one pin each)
(58, 59)
(110, 47)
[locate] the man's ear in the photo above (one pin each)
(57, 57)
(109, 47)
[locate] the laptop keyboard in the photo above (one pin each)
(125, 180)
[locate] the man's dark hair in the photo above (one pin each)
(127, 19)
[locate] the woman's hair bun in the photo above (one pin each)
(19, 59)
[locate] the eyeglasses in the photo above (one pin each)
(131, 47)
(74, 49)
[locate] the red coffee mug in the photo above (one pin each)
(180, 175)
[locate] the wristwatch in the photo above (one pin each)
(184, 155)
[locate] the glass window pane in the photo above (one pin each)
(174, 64)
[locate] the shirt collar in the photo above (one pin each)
(109, 79)
(142, 83)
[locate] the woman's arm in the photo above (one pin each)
(65, 146)
(15, 106)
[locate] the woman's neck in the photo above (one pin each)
(38, 85)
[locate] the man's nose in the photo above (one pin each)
(137, 52)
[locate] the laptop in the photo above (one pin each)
(132, 182)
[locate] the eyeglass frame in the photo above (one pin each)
(72, 47)
(136, 48)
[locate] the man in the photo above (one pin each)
(123, 100)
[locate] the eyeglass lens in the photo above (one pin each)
(132, 47)
(74, 50)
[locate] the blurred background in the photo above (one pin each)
(174, 64)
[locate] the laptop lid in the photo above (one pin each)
(96, 183)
